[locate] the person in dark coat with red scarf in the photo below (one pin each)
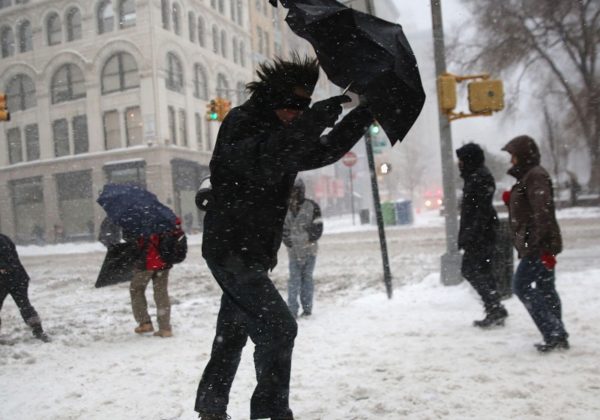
(260, 148)
(14, 281)
(477, 234)
(537, 238)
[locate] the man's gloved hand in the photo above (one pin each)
(548, 260)
(328, 110)
(506, 197)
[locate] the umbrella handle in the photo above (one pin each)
(347, 88)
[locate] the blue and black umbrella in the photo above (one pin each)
(371, 55)
(136, 210)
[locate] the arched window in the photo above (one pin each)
(200, 82)
(240, 12)
(53, 29)
(222, 6)
(164, 9)
(223, 43)
(25, 37)
(232, 10)
(222, 86)
(7, 39)
(120, 73)
(235, 50)
(106, 17)
(20, 93)
(174, 73)
(127, 13)
(68, 84)
(241, 92)
(73, 24)
(215, 36)
(201, 32)
(192, 26)
(242, 54)
(176, 19)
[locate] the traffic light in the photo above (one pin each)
(446, 85)
(486, 96)
(223, 107)
(374, 129)
(385, 168)
(4, 114)
(211, 110)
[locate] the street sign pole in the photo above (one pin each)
(450, 261)
(351, 194)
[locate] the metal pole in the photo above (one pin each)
(451, 260)
(387, 275)
(351, 194)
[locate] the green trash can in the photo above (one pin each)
(388, 211)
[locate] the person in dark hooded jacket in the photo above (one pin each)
(536, 236)
(14, 281)
(260, 148)
(477, 233)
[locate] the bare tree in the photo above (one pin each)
(411, 168)
(544, 40)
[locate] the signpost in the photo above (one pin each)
(349, 160)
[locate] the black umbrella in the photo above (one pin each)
(369, 53)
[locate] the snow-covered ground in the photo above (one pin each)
(361, 355)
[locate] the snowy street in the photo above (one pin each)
(360, 356)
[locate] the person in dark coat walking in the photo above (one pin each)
(477, 233)
(302, 229)
(261, 146)
(537, 238)
(14, 281)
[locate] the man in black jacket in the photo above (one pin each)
(14, 281)
(477, 234)
(261, 147)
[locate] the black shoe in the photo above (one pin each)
(560, 343)
(306, 313)
(214, 416)
(494, 318)
(41, 335)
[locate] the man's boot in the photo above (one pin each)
(555, 343)
(39, 333)
(494, 317)
(214, 416)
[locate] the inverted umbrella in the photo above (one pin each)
(369, 53)
(135, 209)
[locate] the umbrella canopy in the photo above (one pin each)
(136, 209)
(369, 53)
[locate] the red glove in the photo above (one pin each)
(506, 197)
(548, 260)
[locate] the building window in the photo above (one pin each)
(81, 143)
(200, 82)
(174, 73)
(201, 32)
(112, 130)
(183, 127)
(242, 54)
(28, 204)
(130, 172)
(176, 19)
(73, 24)
(241, 92)
(25, 37)
(259, 36)
(235, 50)
(192, 26)
(7, 39)
(133, 126)
(164, 9)
(213, 4)
(232, 10)
(32, 142)
(60, 130)
(198, 131)
(20, 93)
(15, 149)
(127, 13)
(106, 17)
(67, 84)
(120, 73)
(215, 36)
(222, 6)
(53, 29)
(222, 86)
(172, 126)
(75, 205)
(223, 44)
(240, 12)
(5, 3)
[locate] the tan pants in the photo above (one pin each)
(139, 305)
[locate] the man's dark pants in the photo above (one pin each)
(542, 301)
(477, 269)
(18, 291)
(251, 307)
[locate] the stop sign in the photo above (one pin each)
(349, 159)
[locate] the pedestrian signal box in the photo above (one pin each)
(385, 168)
(211, 110)
(486, 96)
(223, 108)
(4, 114)
(446, 85)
